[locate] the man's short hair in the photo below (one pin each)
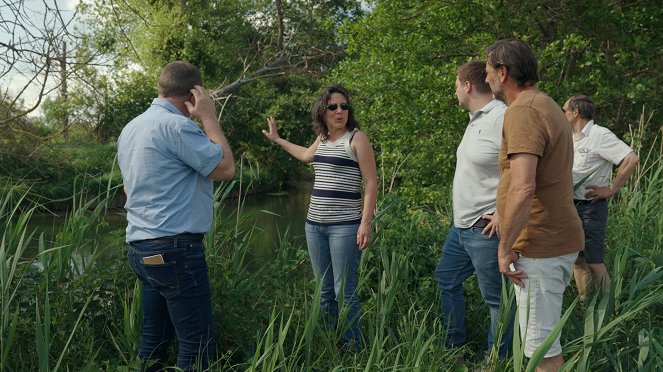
(475, 73)
(585, 106)
(518, 59)
(178, 78)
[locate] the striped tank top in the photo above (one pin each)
(336, 196)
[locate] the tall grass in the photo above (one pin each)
(78, 313)
(619, 330)
(15, 238)
(28, 280)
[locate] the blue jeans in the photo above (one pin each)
(464, 252)
(335, 259)
(176, 299)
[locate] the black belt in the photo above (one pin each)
(481, 222)
(168, 239)
(582, 201)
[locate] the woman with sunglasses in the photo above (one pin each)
(338, 224)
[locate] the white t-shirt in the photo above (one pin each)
(477, 171)
(595, 151)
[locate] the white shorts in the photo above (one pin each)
(546, 281)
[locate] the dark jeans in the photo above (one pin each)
(176, 299)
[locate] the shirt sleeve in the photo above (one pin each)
(612, 148)
(525, 132)
(195, 149)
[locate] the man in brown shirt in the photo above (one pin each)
(540, 232)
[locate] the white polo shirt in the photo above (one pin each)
(477, 171)
(595, 151)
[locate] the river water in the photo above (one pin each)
(272, 214)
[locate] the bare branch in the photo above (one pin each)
(263, 72)
(32, 36)
(279, 17)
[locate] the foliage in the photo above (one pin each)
(266, 316)
(401, 63)
(403, 55)
(398, 58)
(50, 185)
(131, 96)
(17, 141)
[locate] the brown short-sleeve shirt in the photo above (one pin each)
(534, 124)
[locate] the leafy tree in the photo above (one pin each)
(281, 48)
(130, 97)
(402, 59)
(401, 64)
(16, 140)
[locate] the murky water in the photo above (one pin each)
(272, 213)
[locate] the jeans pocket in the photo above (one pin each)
(164, 278)
(194, 271)
(477, 232)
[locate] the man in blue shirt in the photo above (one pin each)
(168, 166)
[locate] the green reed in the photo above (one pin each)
(126, 336)
(268, 318)
(76, 242)
(616, 330)
(15, 238)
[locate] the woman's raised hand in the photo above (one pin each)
(273, 133)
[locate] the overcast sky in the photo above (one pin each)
(14, 82)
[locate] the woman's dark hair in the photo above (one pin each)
(320, 107)
(518, 59)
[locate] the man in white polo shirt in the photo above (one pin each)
(472, 241)
(596, 149)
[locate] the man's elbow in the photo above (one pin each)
(629, 163)
(227, 174)
(223, 173)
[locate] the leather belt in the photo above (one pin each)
(590, 201)
(168, 239)
(481, 222)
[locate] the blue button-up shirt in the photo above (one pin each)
(165, 159)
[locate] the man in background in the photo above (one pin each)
(168, 166)
(471, 244)
(596, 149)
(540, 232)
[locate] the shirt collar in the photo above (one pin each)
(587, 128)
(485, 109)
(167, 105)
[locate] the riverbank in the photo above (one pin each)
(272, 213)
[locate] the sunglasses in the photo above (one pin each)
(334, 106)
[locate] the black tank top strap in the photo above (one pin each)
(354, 131)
